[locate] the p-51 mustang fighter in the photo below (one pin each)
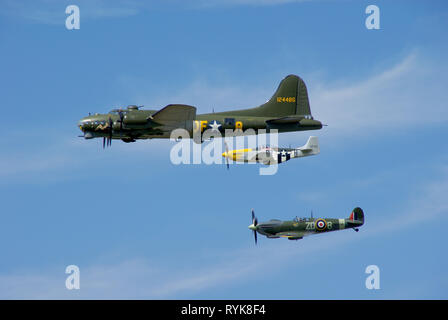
(269, 156)
(299, 228)
(288, 110)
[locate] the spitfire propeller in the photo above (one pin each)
(253, 226)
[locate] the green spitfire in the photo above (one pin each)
(288, 110)
(300, 227)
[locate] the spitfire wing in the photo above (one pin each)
(291, 235)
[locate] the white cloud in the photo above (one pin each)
(53, 12)
(392, 98)
(431, 203)
(141, 279)
(130, 279)
(411, 93)
(222, 3)
(60, 157)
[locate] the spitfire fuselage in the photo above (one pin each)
(301, 227)
(297, 229)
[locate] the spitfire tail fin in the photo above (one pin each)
(357, 215)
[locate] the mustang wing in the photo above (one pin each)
(265, 157)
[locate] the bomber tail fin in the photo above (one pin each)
(290, 98)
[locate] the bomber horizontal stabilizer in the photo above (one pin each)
(284, 120)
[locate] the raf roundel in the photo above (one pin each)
(321, 224)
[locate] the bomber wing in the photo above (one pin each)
(172, 114)
(170, 117)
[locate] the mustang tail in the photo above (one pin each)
(311, 147)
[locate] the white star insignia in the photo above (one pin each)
(215, 126)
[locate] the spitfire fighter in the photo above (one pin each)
(288, 110)
(271, 155)
(301, 227)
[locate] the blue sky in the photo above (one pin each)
(140, 227)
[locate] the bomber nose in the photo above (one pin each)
(83, 123)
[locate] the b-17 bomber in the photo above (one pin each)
(288, 110)
(273, 155)
(300, 227)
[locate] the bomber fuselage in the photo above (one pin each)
(287, 110)
(136, 125)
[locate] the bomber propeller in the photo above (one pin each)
(120, 114)
(108, 140)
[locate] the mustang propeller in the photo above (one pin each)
(253, 226)
(227, 155)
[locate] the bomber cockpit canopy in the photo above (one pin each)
(128, 108)
(116, 111)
